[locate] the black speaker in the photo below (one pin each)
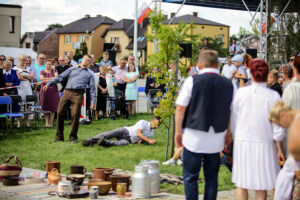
(252, 52)
(186, 50)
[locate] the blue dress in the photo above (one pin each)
(131, 91)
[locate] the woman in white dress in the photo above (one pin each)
(255, 159)
(25, 75)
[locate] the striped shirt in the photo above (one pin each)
(291, 95)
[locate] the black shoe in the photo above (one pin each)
(87, 143)
(58, 140)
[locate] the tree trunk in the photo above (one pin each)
(168, 140)
(173, 136)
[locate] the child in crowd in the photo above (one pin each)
(102, 93)
(288, 180)
(111, 84)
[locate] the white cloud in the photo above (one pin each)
(37, 14)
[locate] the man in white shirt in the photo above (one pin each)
(234, 48)
(141, 131)
(228, 70)
(203, 108)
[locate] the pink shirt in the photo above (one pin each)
(119, 73)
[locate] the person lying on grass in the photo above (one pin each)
(141, 131)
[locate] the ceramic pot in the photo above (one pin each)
(119, 179)
(52, 164)
(54, 176)
(77, 169)
(99, 173)
(121, 188)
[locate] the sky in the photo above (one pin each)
(37, 14)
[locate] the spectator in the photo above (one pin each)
(78, 80)
(120, 72)
(241, 73)
(72, 62)
(55, 63)
(62, 64)
(102, 93)
(287, 74)
(247, 58)
(68, 61)
(280, 81)
(105, 61)
(228, 70)
(11, 79)
(138, 133)
(131, 60)
(12, 60)
(203, 108)
(273, 81)
(49, 98)
(194, 70)
(152, 84)
(292, 58)
(131, 92)
(255, 159)
(94, 67)
(2, 59)
(176, 158)
(40, 65)
(234, 48)
(25, 75)
(3, 108)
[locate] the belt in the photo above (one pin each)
(76, 90)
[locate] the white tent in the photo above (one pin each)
(15, 52)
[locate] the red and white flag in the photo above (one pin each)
(144, 10)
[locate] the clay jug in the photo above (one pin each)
(54, 176)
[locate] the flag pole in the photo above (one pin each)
(135, 33)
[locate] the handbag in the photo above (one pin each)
(8, 170)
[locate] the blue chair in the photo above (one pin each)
(7, 101)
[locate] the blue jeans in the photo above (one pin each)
(191, 167)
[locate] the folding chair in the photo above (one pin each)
(154, 100)
(7, 101)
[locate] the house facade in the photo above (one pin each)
(10, 23)
(86, 30)
(48, 45)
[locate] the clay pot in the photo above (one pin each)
(99, 173)
(77, 169)
(119, 179)
(52, 164)
(103, 186)
(76, 178)
(107, 175)
(54, 176)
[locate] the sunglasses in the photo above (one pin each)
(11, 60)
(2, 59)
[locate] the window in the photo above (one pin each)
(27, 45)
(115, 40)
(81, 38)
(12, 24)
(221, 37)
(67, 39)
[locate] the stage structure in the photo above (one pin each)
(255, 8)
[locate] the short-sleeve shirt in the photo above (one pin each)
(119, 74)
(27, 70)
(106, 64)
(38, 70)
(241, 70)
(144, 126)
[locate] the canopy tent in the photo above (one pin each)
(15, 52)
(265, 7)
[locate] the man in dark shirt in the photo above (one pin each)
(93, 66)
(273, 81)
(78, 80)
(62, 65)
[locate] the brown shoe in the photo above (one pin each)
(73, 139)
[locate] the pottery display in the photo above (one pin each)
(99, 173)
(52, 164)
(103, 186)
(54, 176)
(94, 182)
(119, 179)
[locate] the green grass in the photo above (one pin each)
(35, 148)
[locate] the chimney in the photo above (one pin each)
(195, 14)
(172, 15)
(87, 16)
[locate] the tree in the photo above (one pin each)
(53, 26)
(243, 32)
(168, 51)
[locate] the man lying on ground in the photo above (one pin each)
(141, 131)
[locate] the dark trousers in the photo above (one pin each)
(74, 98)
(191, 167)
(121, 86)
(121, 134)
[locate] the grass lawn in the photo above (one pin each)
(35, 148)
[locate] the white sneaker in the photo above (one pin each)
(169, 162)
(179, 162)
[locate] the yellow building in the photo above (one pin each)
(202, 26)
(85, 30)
(119, 37)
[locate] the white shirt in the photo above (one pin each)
(237, 48)
(285, 179)
(144, 126)
(228, 70)
(194, 140)
(291, 95)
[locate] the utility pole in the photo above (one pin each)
(135, 33)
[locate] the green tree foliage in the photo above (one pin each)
(53, 26)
